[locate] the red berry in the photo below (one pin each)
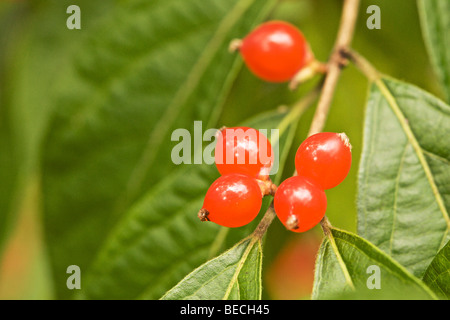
(275, 51)
(299, 204)
(233, 200)
(324, 158)
(243, 150)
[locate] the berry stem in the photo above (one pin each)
(265, 222)
(362, 64)
(335, 64)
(295, 112)
(235, 45)
(326, 226)
(306, 73)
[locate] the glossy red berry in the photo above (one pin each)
(299, 204)
(275, 51)
(324, 158)
(243, 150)
(232, 201)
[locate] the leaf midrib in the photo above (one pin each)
(241, 263)
(342, 264)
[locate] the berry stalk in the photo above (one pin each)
(335, 64)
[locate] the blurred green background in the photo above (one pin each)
(396, 49)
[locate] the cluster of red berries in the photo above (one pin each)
(275, 51)
(322, 162)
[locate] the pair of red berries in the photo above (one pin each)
(244, 158)
(322, 162)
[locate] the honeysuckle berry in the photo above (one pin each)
(243, 150)
(233, 200)
(299, 204)
(324, 158)
(275, 51)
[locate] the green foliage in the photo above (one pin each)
(404, 193)
(126, 102)
(28, 70)
(86, 118)
(161, 239)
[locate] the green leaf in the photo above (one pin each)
(8, 176)
(234, 275)
(437, 275)
(435, 21)
(8, 171)
(156, 66)
(161, 239)
(35, 42)
(345, 265)
(404, 194)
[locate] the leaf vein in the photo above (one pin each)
(397, 182)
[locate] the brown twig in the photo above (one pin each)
(337, 61)
(362, 64)
(335, 64)
(265, 222)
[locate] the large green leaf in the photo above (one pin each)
(148, 68)
(345, 264)
(161, 239)
(435, 20)
(234, 275)
(35, 43)
(8, 172)
(404, 194)
(8, 176)
(437, 275)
